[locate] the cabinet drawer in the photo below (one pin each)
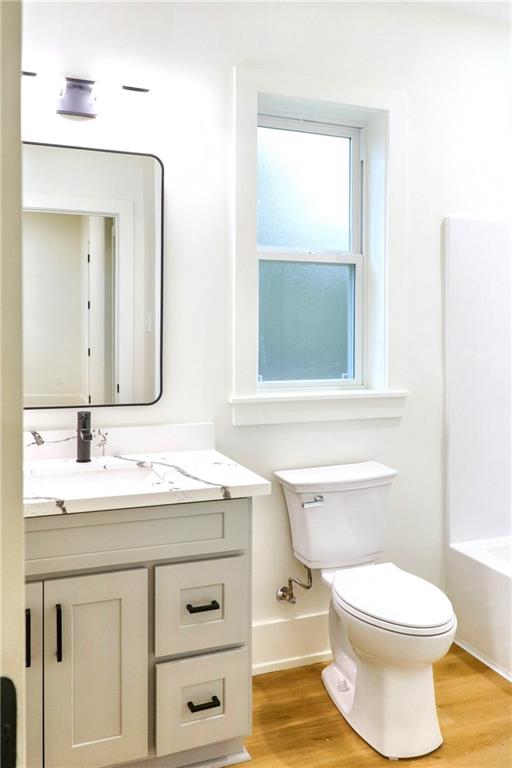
(202, 700)
(201, 605)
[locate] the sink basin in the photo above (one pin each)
(101, 477)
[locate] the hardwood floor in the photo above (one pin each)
(296, 724)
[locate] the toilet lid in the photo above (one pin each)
(387, 594)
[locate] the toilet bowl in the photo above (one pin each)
(387, 627)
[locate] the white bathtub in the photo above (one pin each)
(479, 583)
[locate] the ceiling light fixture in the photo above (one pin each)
(77, 98)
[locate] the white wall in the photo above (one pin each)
(453, 67)
(477, 375)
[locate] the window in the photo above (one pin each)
(315, 270)
(309, 252)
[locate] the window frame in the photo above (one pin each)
(383, 114)
(354, 256)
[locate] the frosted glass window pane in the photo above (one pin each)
(303, 190)
(306, 321)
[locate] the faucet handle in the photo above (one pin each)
(83, 420)
(83, 425)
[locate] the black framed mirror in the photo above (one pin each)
(92, 225)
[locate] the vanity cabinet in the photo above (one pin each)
(146, 653)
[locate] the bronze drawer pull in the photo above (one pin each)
(213, 606)
(215, 702)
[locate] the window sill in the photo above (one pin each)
(317, 405)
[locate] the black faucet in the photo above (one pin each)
(83, 436)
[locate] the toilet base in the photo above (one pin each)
(392, 709)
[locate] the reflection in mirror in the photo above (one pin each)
(92, 249)
(75, 298)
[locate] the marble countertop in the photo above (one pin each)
(56, 486)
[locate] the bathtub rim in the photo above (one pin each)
(478, 549)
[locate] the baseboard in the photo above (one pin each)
(290, 642)
(480, 656)
(301, 640)
(297, 661)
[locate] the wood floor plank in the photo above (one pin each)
(296, 724)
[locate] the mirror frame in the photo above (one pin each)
(161, 313)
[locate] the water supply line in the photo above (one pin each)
(287, 595)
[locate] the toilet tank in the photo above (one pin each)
(337, 513)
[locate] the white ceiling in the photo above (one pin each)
(499, 11)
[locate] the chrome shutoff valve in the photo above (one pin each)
(286, 594)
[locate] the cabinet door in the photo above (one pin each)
(96, 669)
(34, 674)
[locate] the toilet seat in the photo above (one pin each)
(387, 597)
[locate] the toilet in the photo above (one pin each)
(386, 626)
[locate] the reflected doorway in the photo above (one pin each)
(69, 309)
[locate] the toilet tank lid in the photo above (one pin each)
(337, 477)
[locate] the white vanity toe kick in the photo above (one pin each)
(60, 486)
